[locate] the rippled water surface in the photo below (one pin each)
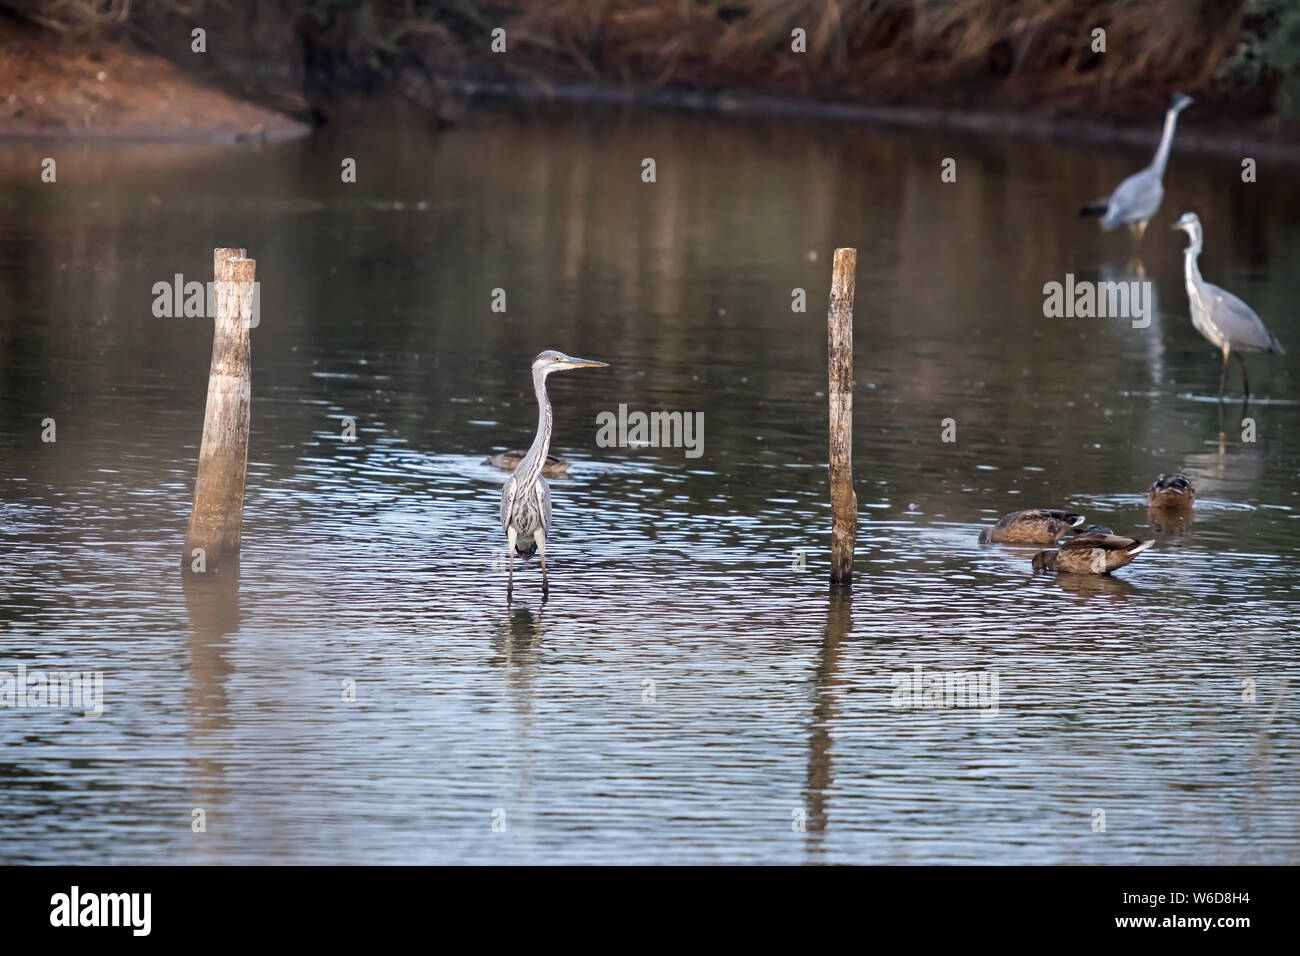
(692, 691)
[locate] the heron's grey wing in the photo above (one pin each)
(1238, 321)
(1136, 200)
(544, 503)
(507, 502)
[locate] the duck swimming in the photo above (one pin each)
(1093, 553)
(1173, 492)
(509, 461)
(1032, 526)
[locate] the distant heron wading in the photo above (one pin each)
(1229, 324)
(1138, 198)
(526, 497)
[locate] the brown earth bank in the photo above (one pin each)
(53, 86)
(993, 65)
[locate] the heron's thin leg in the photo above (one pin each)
(1140, 228)
(540, 537)
(511, 537)
(1223, 376)
(1245, 378)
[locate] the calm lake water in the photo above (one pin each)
(691, 692)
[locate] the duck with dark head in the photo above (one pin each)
(1171, 491)
(1169, 504)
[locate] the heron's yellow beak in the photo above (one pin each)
(583, 363)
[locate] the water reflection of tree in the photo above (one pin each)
(949, 284)
(692, 274)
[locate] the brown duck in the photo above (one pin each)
(1093, 553)
(1034, 526)
(509, 461)
(1171, 492)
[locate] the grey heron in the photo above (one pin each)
(1229, 324)
(1136, 200)
(526, 497)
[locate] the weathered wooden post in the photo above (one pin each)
(218, 513)
(844, 502)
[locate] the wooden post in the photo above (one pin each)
(218, 513)
(844, 502)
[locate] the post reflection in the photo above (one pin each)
(821, 772)
(212, 605)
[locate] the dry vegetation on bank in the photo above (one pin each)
(1239, 56)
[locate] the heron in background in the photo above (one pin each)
(526, 497)
(1229, 324)
(1138, 197)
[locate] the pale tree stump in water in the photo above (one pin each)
(218, 514)
(844, 502)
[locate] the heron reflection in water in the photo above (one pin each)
(526, 497)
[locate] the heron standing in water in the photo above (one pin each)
(1229, 324)
(1138, 197)
(526, 497)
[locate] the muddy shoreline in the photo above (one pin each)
(54, 87)
(233, 121)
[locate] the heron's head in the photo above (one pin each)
(1190, 224)
(1181, 102)
(553, 361)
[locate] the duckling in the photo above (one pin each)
(1174, 492)
(509, 461)
(1091, 554)
(1033, 526)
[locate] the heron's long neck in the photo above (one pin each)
(1166, 142)
(1191, 269)
(536, 456)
